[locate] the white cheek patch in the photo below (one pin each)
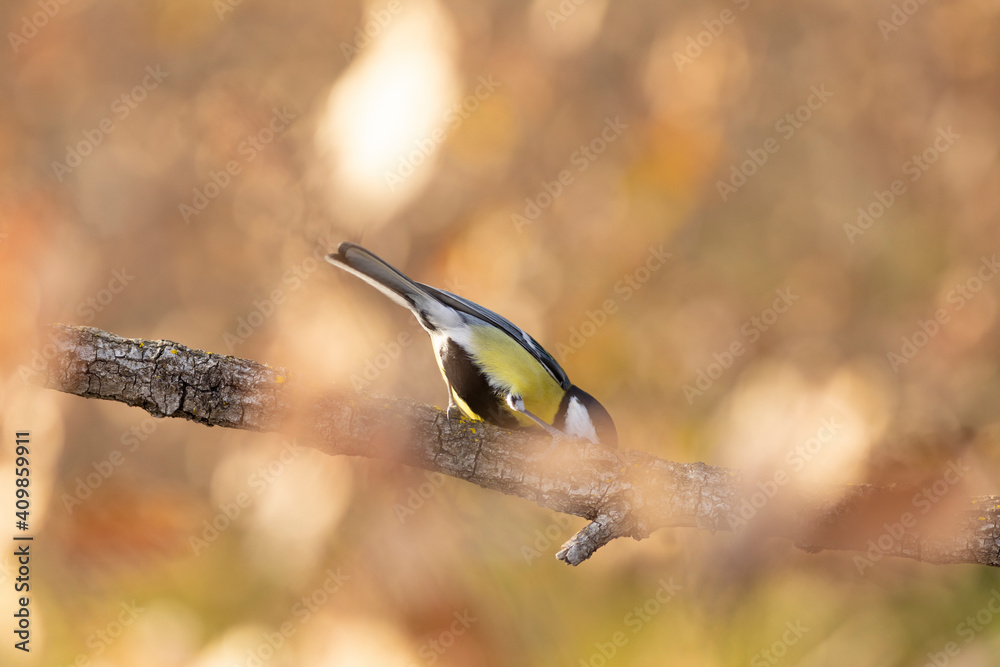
(578, 422)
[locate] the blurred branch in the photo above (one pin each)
(623, 494)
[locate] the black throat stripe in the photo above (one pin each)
(560, 419)
(469, 382)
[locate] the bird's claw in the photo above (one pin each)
(454, 412)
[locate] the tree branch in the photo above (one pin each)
(623, 494)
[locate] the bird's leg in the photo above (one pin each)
(454, 412)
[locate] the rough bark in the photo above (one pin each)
(622, 493)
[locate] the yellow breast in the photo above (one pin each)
(511, 368)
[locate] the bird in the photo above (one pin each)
(495, 372)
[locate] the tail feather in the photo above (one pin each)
(378, 273)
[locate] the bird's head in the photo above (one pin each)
(580, 415)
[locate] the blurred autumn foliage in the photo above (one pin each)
(764, 235)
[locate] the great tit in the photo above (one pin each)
(495, 372)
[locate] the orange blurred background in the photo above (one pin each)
(763, 235)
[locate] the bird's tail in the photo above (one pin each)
(375, 271)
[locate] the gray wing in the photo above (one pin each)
(515, 332)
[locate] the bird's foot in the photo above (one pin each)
(454, 412)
